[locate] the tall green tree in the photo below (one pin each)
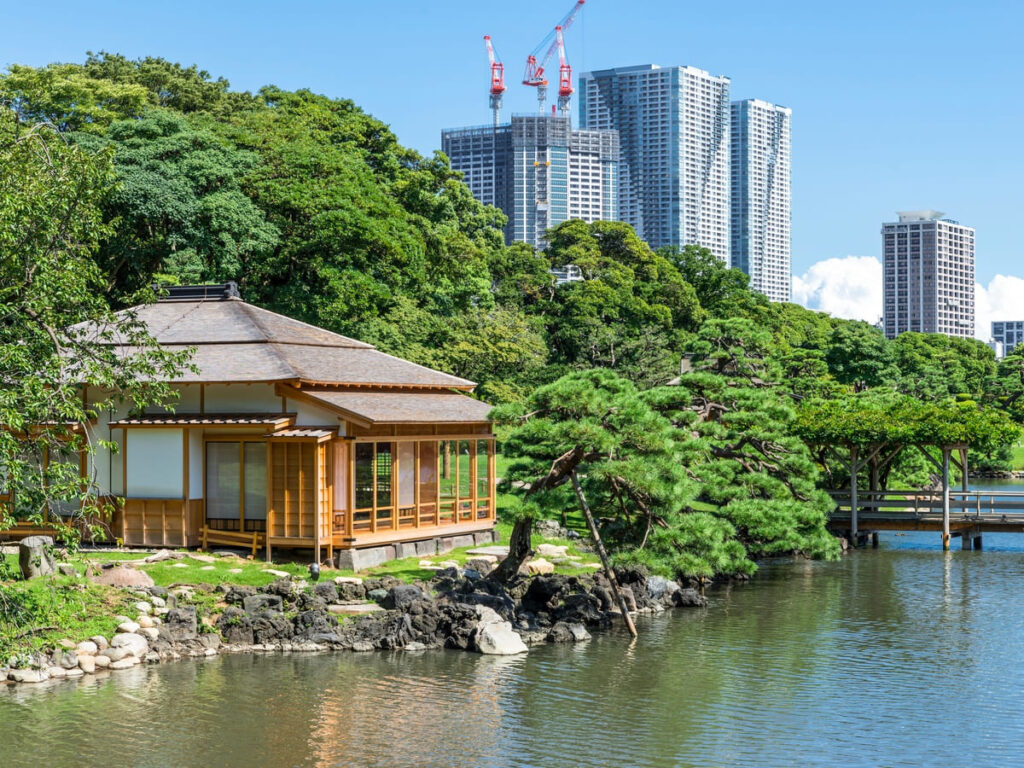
(858, 354)
(56, 327)
(749, 466)
(594, 426)
(179, 206)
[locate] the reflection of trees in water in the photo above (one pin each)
(404, 709)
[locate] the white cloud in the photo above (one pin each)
(849, 287)
(1003, 299)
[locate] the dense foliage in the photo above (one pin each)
(317, 211)
(55, 322)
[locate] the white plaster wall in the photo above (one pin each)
(155, 463)
(309, 415)
(241, 398)
(106, 465)
(195, 463)
(188, 400)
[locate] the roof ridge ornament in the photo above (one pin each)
(208, 292)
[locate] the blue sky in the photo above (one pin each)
(897, 105)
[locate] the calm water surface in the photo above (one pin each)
(903, 656)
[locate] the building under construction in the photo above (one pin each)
(539, 172)
(536, 169)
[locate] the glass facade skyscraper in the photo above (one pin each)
(539, 172)
(674, 170)
(761, 197)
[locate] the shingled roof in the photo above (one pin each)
(237, 342)
(403, 407)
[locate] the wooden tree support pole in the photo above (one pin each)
(945, 498)
(603, 554)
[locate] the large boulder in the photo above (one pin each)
(35, 556)
(270, 627)
(350, 590)
(236, 594)
(661, 589)
(498, 639)
(137, 645)
(402, 596)
(236, 626)
(316, 626)
(119, 576)
(258, 603)
(180, 625)
(689, 598)
(326, 591)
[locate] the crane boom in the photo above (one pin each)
(565, 88)
(537, 61)
(497, 78)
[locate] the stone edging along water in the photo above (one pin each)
(457, 609)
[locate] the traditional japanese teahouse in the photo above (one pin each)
(288, 435)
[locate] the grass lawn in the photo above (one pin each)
(1018, 457)
(39, 613)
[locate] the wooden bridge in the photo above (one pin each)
(957, 514)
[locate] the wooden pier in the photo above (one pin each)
(956, 514)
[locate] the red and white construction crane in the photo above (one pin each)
(564, 75)
(497, 79)
(541, 55)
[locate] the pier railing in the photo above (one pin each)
(922, 503)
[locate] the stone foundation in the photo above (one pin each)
(369, 557)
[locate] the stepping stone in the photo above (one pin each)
(274, 572)
(179, 565)
(354, 609)
(498, 550)
(202, 558)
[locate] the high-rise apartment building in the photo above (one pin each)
(673, 125)
(539, 172)
(760, 189)
(928, 276)
(1009, 333)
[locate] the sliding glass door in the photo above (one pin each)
(236, 485)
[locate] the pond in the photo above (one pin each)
(901, 656)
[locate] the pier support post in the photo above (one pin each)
(874, 539)
(965, 541)
(977, 542)
(854, 467)
(945, 498)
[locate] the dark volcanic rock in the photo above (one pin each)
(258, 603)
(284, 588)
(236, 626)
(237, 595)
(180, 625)
(271, 627)
(326, 591)
(402, 596)
(312, 624)
(350, 592)
(689, 598)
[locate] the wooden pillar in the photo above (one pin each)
(945, 498)
(854, 466)
(964, 484)
(874, 539)
(965, 540)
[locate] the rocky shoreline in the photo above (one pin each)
(457, 609)
(997, 475)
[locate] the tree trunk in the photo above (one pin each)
(519, 551)
(602, 553)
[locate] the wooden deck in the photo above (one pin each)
(969, 513)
